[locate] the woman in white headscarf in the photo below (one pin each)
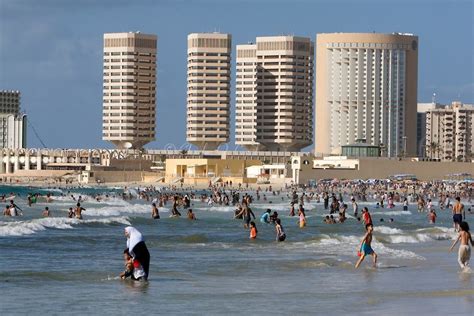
(137, 248)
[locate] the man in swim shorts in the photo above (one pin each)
(366, 247)
(458, 208)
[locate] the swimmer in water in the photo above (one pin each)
(155, 214)
(280, 232)
(191, 215)
(302, 217)
(366, 247)
(78, 211)
(253, 230)
(265, 218)
(46, 212)
(464, 253)
(432, 216)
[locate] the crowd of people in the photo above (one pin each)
(330, 194)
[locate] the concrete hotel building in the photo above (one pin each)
(13, 125)
(129, 95)
(422, 108)
(208, 99)
(449, 133)
(366, 88)
(274, 94)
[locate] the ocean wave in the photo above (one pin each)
(22, 228)
(387, 230)
(217, 208)
(344, 245)
(392, 213)
(119, 210)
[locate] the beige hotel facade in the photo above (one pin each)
(129, 89)
(208, 95)
(449, 132)
(366, 88)
(274, 94)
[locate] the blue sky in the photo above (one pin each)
(51, 50)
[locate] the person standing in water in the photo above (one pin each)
(137, 248)
(302, 216)
(265, 218)
(464, 253)
(78, 211)
(246, 213)
(280, 232)
(253, 230)
(365, 248)
(155, 214)
(458, 208)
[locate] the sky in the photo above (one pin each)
(51, 50)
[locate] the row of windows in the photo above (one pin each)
(130, 42)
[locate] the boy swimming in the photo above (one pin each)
(366, 248)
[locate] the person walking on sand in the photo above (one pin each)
(365, 248)
(464, 253)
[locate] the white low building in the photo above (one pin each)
(335, 162)
(267, 173)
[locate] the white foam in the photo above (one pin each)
(393, 213)
(217, 208)
(344, 245)
(417, 238)
(22, 228)
(119, 210)
(387, 230)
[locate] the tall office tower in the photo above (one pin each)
(274, 99)
(366, 88)
(129, 101)
(449, 132)
(13, 125)
(208, 100)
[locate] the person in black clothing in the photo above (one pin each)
(137, 248)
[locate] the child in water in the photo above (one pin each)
(464, 253)
(133, 268)
(253, 230)
(366, 247)
(191, 215)
(302, 217)
(432, 216)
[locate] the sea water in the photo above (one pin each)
(58, 265)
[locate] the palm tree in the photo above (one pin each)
(433, 147)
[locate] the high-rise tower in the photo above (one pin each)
(274, 93)
(208, 100)
(366, 88)
(129, 97)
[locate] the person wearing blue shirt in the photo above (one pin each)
(265, 218)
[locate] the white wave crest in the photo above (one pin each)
(346, 245)
(387, 230)
(394, 213)
(22, 228)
